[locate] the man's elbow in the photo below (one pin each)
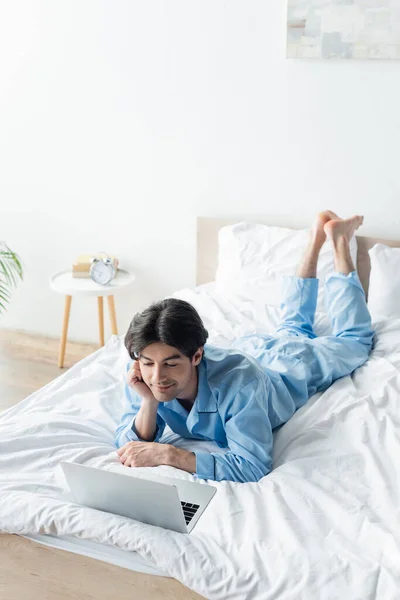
(248, 472)
(253, 474)
(120, 438)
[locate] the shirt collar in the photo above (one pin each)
(205, 401)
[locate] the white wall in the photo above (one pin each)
(122, 121)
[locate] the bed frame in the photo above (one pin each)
(207, 248)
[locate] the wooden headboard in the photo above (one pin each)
(207, 249)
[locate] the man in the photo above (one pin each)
(236, 397)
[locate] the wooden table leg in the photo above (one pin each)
(101, 319)
(113, 316)
(63, 340)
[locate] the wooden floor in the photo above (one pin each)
(30, 571)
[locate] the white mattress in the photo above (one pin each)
(324, 524)
(110, 554)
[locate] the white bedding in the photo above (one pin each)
(323, 525)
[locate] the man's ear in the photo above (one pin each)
(198, 355)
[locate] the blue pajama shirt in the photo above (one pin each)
(246, 391)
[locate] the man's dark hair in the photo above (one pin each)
(173, 322)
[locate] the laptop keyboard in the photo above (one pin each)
(189, 510)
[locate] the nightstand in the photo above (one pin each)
(64, 283)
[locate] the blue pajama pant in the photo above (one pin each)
(336, 355)
(306, 363)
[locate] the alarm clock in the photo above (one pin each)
(102, 270)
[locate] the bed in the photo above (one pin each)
(324, 524)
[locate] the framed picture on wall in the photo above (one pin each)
(343, 29)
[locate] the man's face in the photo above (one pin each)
(169, 373)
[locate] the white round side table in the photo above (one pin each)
(64, 283)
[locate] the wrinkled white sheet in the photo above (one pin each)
(323, 525)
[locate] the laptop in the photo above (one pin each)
(166, 502)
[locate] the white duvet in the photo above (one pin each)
(325, 524)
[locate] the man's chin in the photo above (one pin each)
(160, 397)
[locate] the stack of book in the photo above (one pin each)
(81, 267)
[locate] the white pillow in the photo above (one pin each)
(384, 282)
(252, 258)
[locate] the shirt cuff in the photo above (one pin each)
(205, 465)
(139, 439)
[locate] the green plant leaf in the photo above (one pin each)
(4, 297)
(11, 259)
(5, 294)
(8, 274)
(10, 271)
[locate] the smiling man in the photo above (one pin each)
(236, 397)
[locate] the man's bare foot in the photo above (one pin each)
(318, 235)
(342, 228)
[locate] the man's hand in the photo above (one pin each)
(144, 454)
(135, 380)
(146, 419)
(153, 454)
